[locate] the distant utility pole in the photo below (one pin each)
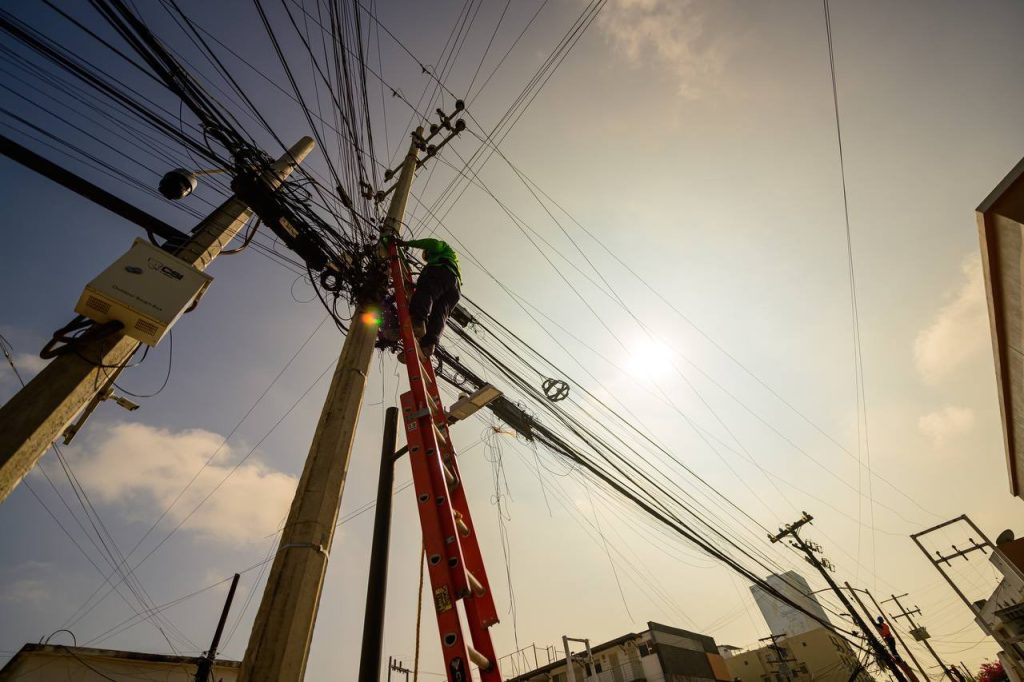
(398, 667)
(896, 632)
(780, 656)
(824, 566)
(918, 633)
(39, 413)
(279, 644)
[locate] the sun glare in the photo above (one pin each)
(649, 359)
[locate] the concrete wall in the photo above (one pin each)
(73, 664)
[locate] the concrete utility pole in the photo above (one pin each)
(909, 615)
(896, 632)
(823, 566)
(38, 414)
(279, 643)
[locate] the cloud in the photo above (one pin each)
(669, 32)
(949, 422)
(34, 588)
(959, 331)
(144, 469)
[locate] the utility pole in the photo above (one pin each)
(780, 656)
(919, 633)
(896, 632)
(899, 661)
(279, 644)
(377, 583)
(398, 667)
(824, 566)
(205, 666)
(38, 414)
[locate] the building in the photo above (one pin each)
(1001, 233)
(816, 654)
(783, 620)
(659, 653)
(1002, 614)
(57, 663)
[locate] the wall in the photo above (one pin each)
(59, 664)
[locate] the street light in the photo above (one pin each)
(468, 405)
(180, 182)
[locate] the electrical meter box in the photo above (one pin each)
(146, 289)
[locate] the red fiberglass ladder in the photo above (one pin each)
(453, 554)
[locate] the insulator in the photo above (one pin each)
(460, 125)
(459, 105)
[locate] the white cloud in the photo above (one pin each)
(30, 584)
(670, 32)
(144, 468)
(949, 422)
(25, 591)
(959, 331)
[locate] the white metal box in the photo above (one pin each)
(146, 289)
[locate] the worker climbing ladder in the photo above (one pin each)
(453, 556)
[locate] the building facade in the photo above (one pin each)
(57, 663)
(1002, 614)
(659, 653)
(816, 654)
(782, 619)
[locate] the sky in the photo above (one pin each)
(694, 142)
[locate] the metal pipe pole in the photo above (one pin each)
(205, 666)
(37, 414)
(377, 583)
(279, 643)
(899, 637)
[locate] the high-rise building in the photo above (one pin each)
(784, 620)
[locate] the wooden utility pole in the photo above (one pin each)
(279, 644)
(38, 414)
(909, 615)
(823, 566)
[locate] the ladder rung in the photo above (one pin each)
(475, 585)
(439, 434)
(478, 658)
(460, 524)
(449, 477)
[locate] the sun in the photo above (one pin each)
(649, 359)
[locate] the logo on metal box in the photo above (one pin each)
(154, 264)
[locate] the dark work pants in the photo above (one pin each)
(437, 292)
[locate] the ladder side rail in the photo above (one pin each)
(430, 453)
(443, 592)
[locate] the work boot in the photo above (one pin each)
(427, 351)
(419, 329)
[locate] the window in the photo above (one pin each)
(597, 668)
(645, 649)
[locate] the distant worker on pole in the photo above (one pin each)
(886, 632)
(438, 289)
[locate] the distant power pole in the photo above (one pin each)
(824, 566)
(781, 658)
(279, 643)
(919, 634)
(39, 413)
(896, 632)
